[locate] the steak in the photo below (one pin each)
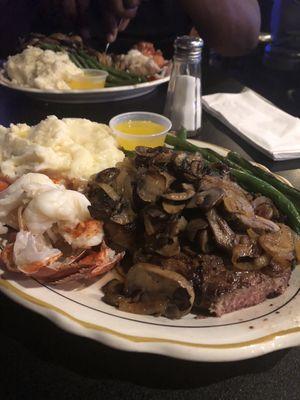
(220, 290)
(224, 290)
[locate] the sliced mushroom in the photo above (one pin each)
(107, 176)
(121, 237)
(264, 207)
(258, 223)
(145, 156)
(187, 193)
(113, 292)
(177, 226)
(210, 198)
(235, 198)
(150, 228)
(246, 254)
(169, 178)
(151, 185)
(147, 152)
(243, 261)
(155, 220)
(158, 292)
(171, 249)
(124, 214)
(164, 157)
(157, 213)
(203, 241)
(194, 226)
(237, 204)
(172, 208)
(189, 165)
(124, 185)
(279, 245)
(109, 191)
(103, 204)
(223, 234)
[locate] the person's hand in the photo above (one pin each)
(116, 16)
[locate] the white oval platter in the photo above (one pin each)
(86, 96)
(252, 332)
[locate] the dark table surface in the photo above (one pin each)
(40, 361)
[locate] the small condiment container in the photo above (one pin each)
(91, 79)
(140, 129)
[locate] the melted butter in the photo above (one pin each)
(143, 131)
(86, 82)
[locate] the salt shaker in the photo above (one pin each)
(183, 105)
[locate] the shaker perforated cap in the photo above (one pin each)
(188, 46)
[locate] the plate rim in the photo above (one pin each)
(8, 84)
(133, 338)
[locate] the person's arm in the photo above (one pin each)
(231, 27)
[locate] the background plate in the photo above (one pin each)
(267, 327)
(87, 96)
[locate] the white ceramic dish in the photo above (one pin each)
(270, 326)
(86, 96)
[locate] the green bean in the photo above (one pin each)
(53, 47)
(75, 60)
(257, 185)
(128, 153)
(92, 59)
(82, 61)
(182, 134)
(266, 176)
(110, 84)
(89, 62)
(111, 70)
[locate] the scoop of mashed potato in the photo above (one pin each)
(70, 148)
(41, 69)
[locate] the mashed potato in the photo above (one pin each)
(70, 148)
(41, 69)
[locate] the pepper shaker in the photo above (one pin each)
(183, 104)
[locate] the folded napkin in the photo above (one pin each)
(266, 127)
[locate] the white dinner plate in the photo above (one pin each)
(267, 327)
(86, 96)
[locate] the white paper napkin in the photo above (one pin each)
(271, 130)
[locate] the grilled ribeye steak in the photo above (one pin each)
(224, 291)
(220, 290)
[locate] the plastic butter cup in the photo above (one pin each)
(91, 79)
(130, 141)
